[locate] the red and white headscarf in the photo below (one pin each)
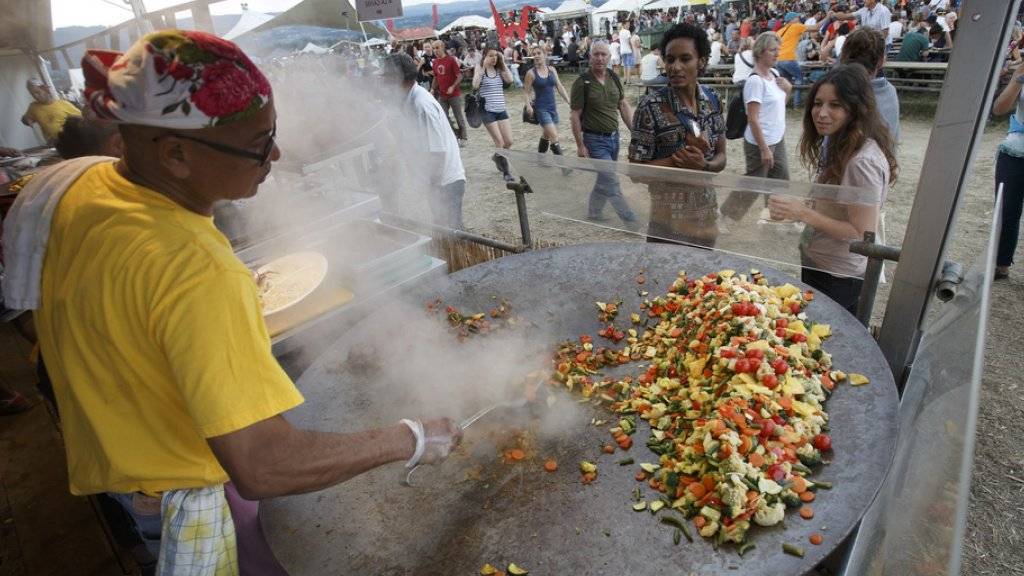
(178, 79)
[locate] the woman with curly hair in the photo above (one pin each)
(844, 142)
(681, 126)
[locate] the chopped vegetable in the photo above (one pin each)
(488, 570)
(517, 454)
(550, 465)
(676, 536)
(858, 379)
(793, 550)
(517, 570)
(732, 384)
(625, 462)
(640, 506)
(587, 467)
(806, 512)
(816, 539)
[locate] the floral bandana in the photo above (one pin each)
(178, 79)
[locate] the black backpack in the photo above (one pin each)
(736, 118)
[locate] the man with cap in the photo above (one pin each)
(788, 66)
(47, 111)
(873, 14)
(152, 329)
(443, 164)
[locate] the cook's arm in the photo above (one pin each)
(273, 458)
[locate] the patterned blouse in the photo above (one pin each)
(677, 211)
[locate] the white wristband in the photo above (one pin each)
(421, 444)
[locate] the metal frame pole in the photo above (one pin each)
(982, 33)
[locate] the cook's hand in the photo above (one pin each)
(767, 158)
(582, 151)
(435, 440)
(688, 157)
(1018, 72)
(787, 208)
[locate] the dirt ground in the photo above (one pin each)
(994, 542)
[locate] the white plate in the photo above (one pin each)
(290, 279)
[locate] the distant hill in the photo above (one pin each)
(420, 14)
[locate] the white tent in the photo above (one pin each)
(471, 21)
(568, 10)
(372, 42)
(608, 10)
(313, 48)
(250, 20)
(666, 4)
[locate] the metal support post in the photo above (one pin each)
(872, 274)
(522, 188)
(982, 33)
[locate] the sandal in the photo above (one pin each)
(15, 404)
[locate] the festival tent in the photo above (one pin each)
(568, 10)
(311, 48)
(373, 42)
(471, 21)
(249, 21)
(610, 9)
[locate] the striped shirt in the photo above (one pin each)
(492, 88)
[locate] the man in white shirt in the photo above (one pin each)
(651, 66)
(895, 31)
(442, 164)
(873, 15)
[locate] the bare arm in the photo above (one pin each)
(860, 219)
(1007, 100)
(273, 458)
(558, 86)
(576, 119)
(457, 81)
(477, 76)
(506, 75)
(626, 111)
(528, 89)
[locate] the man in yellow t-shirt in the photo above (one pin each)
(49, 113)
(788, 66)
(151, 327)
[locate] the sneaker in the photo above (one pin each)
(597, 218)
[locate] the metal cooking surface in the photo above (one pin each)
(453, 523)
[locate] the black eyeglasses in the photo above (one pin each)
(260, 157)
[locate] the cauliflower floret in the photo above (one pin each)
(737, 532)
(769, 515)
(806, 450)
(734, 495)
(731, 437)
(736, 464)
(709, 529)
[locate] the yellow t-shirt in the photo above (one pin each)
(790, 34)
(51, 116)
(153, 335)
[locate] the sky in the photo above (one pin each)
(110, 12)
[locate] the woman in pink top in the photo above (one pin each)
(844, 142)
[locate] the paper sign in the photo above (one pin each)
(368, 10)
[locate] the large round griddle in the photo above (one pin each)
(550, 523)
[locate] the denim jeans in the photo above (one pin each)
(606, 189)
(790, 70)
(1009, 171)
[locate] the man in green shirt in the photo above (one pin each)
(597, 101)
(915, 44)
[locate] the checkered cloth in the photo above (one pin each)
(198, 537)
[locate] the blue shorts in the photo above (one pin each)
(545, 117)
(627, 60)
(490, 117)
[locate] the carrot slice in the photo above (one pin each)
(806, 512)
(697, 489)
(756, 460)
(641, 476)
(807, 496)
(709, 482)
(816, 539)
(608, 449)
(551, 465)
(799, 484)
(517, 454)
(699, 521)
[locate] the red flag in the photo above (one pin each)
(390, 25)
(499, 25)
(436, 17)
